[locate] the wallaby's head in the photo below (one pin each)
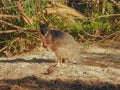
(43, 28)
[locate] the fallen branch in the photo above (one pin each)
(116, 3)
(95, 36)
(13, 31)
(83, 39)
(10, 24)
(103, 16)
(3, 41)
(23, 15)
(9, 16)
(7, 8)
(61, 9)
(117, 32)
(8, 31)
(33, 35)
(3, 48)
(14, 40)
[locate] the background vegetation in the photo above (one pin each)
(87, 20)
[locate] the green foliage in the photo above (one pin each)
(16, 43)
(29, 8)
(99, 19)
(75, 27)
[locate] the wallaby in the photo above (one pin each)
(62, 43)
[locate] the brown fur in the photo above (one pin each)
(63, 44)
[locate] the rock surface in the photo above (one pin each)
(98, 69)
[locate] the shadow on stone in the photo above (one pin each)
(34, 83)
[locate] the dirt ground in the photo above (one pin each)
(98, 69)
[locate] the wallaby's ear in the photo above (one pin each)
(47, 23)
(39, 23)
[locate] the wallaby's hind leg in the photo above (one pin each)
(59, 58)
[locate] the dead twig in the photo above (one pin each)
(117, 32)
(3, 48)
(9, 16)
(8, 31)
(83, 39)
(103, 16)
(10, 24)
(95, 36)
(14, 40)
(116, 3)
(13, 31)
(3, 41)
(33, 35)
